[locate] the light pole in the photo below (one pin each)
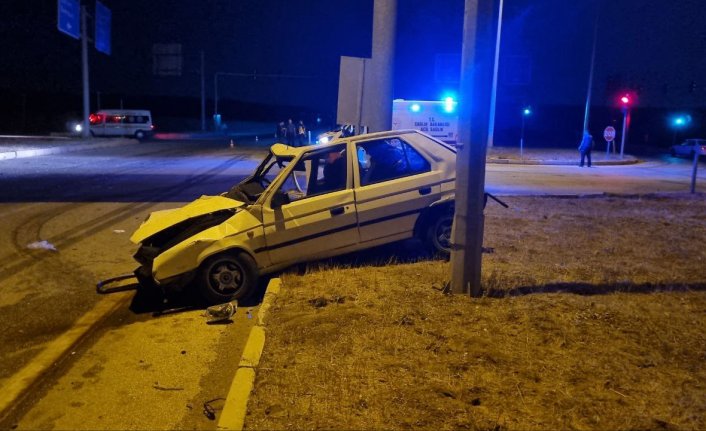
(625, 100)
(679, 123)
(526, 112)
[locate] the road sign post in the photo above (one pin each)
(609, 136)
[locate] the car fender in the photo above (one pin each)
(243, 232)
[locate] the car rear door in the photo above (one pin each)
(394, 183)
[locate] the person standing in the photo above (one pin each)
(280, 132)
(291, 133)
(301, 133)
(585, 148)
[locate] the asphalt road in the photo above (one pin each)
(160, 368)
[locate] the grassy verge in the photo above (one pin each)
(593, 318)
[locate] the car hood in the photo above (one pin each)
(160, 220)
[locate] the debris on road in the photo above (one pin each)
(221, 312)
(41, 245)
(118, 230)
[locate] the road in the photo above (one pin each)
(86, 205)
(134, 368)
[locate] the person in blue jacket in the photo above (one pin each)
(585, 148)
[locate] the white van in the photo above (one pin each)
(121, 122)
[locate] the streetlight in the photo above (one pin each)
(526, 112)
(679, 122)
(625, 101)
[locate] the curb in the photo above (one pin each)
(236, 404)
(18, 154)
(560, 162)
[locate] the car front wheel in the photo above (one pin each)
(227, 276)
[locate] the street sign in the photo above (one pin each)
(68, 16)
(609, 134)
(103, 16)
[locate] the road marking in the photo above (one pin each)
(16, 386)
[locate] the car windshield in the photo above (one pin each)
(250, 189)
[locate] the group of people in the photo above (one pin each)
(292, 134)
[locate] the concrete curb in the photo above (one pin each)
(560, 162)
(18, 154)
(236, 405)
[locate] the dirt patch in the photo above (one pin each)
(593, 317)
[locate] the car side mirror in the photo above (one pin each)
(279, 199)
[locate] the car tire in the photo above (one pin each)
(140, 135)
(227, 276)
(438, 233)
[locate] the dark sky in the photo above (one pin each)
(656, 47)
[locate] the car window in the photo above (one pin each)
(316, 173)
(387, 159)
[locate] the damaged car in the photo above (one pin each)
(302, 204)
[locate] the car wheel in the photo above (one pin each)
(227, 276)
(438, 234)
(140, 135)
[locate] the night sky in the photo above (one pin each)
(655, 47)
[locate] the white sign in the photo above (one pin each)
(609, 134)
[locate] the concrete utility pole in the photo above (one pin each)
(477, 53)
(496, 63)
(85, 131)
(377, 91)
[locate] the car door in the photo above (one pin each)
(394, 183)
(318, 217)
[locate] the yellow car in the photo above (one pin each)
(302, 204)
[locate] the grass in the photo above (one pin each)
(593, 317)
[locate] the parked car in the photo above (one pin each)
(302, 204)
(688, 147)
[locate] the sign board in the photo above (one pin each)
(609, 134)
(103, 16)
(68, 17)
(350, 90)
(436, 118)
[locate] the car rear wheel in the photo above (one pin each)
(140, 135)
(438, 234)
(227, 276)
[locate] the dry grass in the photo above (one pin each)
(594, 318)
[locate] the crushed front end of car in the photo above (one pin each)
(169, 246)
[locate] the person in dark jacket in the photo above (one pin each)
(291, 133)
(585, 148)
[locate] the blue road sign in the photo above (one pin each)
(68, 17)
(102, 28)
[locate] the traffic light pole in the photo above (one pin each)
(626, 114)
(477, 54)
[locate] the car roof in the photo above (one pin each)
(283, 150)
(124, 112)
